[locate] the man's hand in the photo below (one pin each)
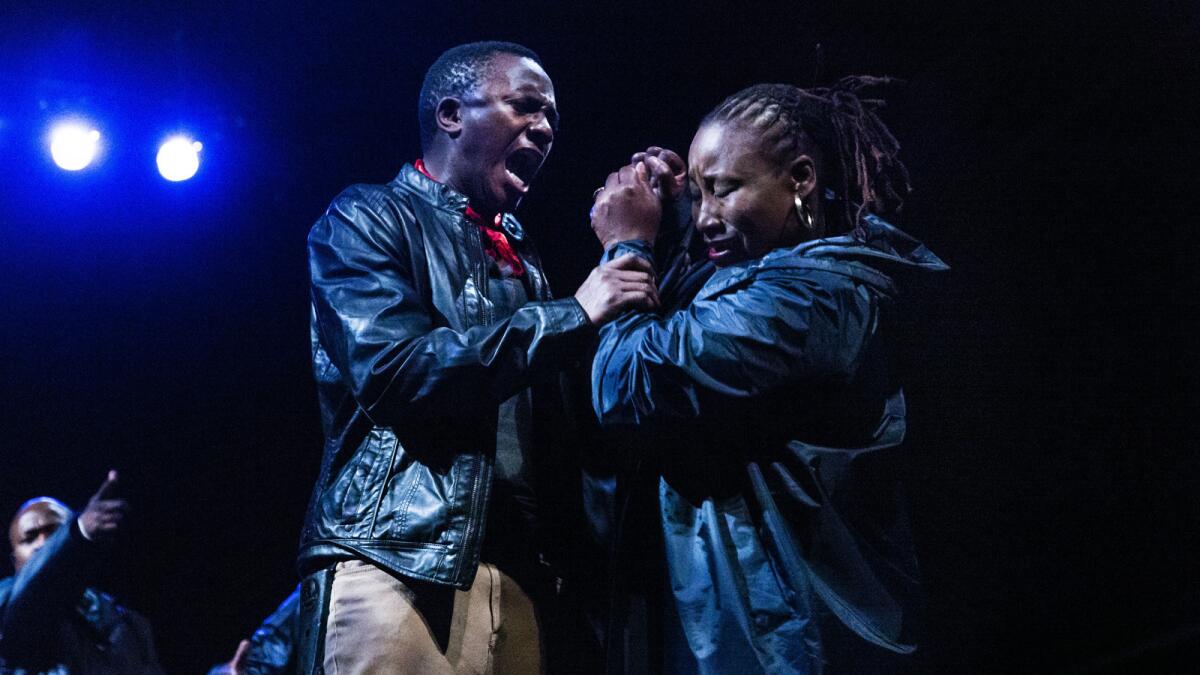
(668, 172)
(236, 664)
(626, 207)
(102, 517)
(624, 283)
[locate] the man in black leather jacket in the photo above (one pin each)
(437, 348)
(51, 620)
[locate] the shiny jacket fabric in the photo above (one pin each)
(411, 365)
(272, 648)
(785, 534)
(51, 622)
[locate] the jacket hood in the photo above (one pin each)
(880, 246)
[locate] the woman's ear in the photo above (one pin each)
(449, 115)
(803, 171)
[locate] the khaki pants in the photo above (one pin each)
(379, 624)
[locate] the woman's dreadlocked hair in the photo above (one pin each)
(857, 153)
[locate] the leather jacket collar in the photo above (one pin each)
(447, 198)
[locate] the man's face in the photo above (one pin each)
(508, 126)
(31, 528)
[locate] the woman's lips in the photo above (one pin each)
(718, 250)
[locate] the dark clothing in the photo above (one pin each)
(623, 554)
(413, 359)
(512, 521)
(53, 623)
(273, 645)
(780, 511)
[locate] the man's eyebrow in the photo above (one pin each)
(529, 88)
(35, 531)
(531, 94)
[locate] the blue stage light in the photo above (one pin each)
(178, 158)
(73, 145)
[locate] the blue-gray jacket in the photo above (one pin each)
(781, 514)
(273, 645)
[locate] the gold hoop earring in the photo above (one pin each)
(804, 214)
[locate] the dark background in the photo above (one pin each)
(162, 328)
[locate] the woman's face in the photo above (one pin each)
(746, 202)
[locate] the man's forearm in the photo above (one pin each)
(46, 588)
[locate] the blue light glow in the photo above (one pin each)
(73, 145)
(178, 158)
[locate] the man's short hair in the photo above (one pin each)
(455, 73)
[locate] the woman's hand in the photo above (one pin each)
(627, 207)
(668, 172)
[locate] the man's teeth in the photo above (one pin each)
(515, 176)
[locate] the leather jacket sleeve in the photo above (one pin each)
(775, 325)
(43, 592)
(375, 318)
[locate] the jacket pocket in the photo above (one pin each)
(353, 497)
(416, 504)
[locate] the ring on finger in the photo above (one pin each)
(597, 191)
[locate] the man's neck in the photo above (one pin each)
(439, 166)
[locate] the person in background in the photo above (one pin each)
(272, 648)
(51, 618)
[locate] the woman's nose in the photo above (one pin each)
(707, 221)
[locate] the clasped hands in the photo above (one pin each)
(629, 207)
(630, 204)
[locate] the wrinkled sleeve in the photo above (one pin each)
(273, 645)
(272, 648)
(380, 335)
(777, 326)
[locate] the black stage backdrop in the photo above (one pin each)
(162, 329)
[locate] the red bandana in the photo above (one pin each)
(495, 243)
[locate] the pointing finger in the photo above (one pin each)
(109, 487)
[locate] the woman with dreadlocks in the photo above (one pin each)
(785, 537)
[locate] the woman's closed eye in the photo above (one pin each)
(724, 187)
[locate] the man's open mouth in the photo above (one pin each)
(523, 165)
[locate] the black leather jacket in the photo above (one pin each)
(411, 365)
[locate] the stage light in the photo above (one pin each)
(73, 145)
(178, 158)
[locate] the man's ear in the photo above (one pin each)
(449, 115)
(804, 172)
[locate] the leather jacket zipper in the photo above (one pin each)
(479, 271)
